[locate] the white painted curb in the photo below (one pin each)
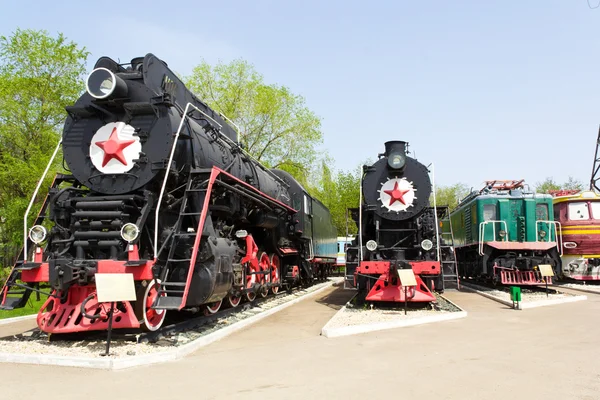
(330, 332)
(523, 305)
(165, 356)
(578, 289)
(6, 321)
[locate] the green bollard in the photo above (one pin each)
(515, 295)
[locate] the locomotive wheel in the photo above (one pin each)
(213, 308)
(263, 264)
(152, 319)
(251, 279)
(275, 272)
(233, 301)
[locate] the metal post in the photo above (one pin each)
(110, 319)
(405, 299)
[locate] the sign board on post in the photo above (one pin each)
(407, 278)
(546, 271)
(111, 288)
(115, 287)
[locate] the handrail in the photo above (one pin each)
(37, 189)
(360, 206)
(482, 231)
(437, 236)
(557, 236)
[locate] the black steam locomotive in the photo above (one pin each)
(397, 230)
(161, 189)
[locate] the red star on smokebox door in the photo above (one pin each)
(396, 194)
(113, 148)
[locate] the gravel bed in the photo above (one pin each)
(591, 288)
(352, 316)
(527, 295)
(37, 342)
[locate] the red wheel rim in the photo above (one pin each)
(275, 272)
(263, 264)
(251, 279)
(234, 301)
(152, 318)
(212, 308)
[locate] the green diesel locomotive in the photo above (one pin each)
(503, 232)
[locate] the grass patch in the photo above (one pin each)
(32, 307)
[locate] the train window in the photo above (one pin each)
(595, 209)
(297, 202)
(541, 212)
(489, 212)
(307, 209)
(578, 211)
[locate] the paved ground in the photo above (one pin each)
(494, 353)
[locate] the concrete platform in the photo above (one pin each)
(547, 353)
(169, 354)
(331, 330)
(523, 304)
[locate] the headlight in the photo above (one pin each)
(427, 244)
(102, 83)
(396, 161)
(371, 245)
(542, 234)
(502, 233)
(129, 232)
(37, 234)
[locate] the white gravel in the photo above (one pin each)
(78, 349)
(525, 297)
(353, 317)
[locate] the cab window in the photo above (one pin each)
(541, 212)
(595, 205)
(307, 204)
(578, 211)
(489, 212)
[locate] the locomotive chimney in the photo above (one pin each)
(395, 147)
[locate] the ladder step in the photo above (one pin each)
(180, 284)
(180, 292)
(184, 234)
(190, 213)
(179, 260)
(168, 303)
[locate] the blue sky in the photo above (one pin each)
(484, 89)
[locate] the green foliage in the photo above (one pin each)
(338, 192)
(450, 195)
(276, 126)
(549, 184)
(39, 76)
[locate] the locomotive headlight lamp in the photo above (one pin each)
(427, 244)
(396, 161)
(371, 245)
(103, 83)
(37, 234)
(502, 233)
(542, 234)
(130, 232)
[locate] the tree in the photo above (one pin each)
(549, 184)
(450, 195)
(573, 184)
(277, 127)
(39, 76)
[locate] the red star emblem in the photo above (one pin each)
(113, 148)
(396, 194)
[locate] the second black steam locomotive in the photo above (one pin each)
(398, 229)
(161, 191)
